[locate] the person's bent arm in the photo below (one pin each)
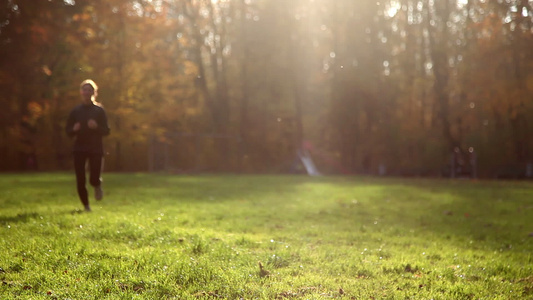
(72, 126)
(102, 124)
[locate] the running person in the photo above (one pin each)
(88, 123)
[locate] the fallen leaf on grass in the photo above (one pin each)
(526, 279)
(299, 293)
(207, 294)
(262, 271)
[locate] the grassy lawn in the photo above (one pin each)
(204, 237)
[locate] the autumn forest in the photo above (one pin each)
(389, 87)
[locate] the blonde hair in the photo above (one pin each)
(93, 85)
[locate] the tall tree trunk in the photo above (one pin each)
(245, 54)
(217, 102)
(438, 46)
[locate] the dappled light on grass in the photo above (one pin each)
(267, 237)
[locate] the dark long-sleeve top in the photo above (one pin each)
(88, 140)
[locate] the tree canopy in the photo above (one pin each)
(366, 87)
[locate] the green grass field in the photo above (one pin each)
(203, 237)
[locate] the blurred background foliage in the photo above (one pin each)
(366, 87)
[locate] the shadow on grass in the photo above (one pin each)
(27, 217)
(491, 211)
(19, 218)
(498, 214)
(206, 188)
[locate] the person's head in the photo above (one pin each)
(88, 91)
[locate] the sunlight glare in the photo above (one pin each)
(462, 3)
(392, 8)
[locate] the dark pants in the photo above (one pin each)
(95, 167)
